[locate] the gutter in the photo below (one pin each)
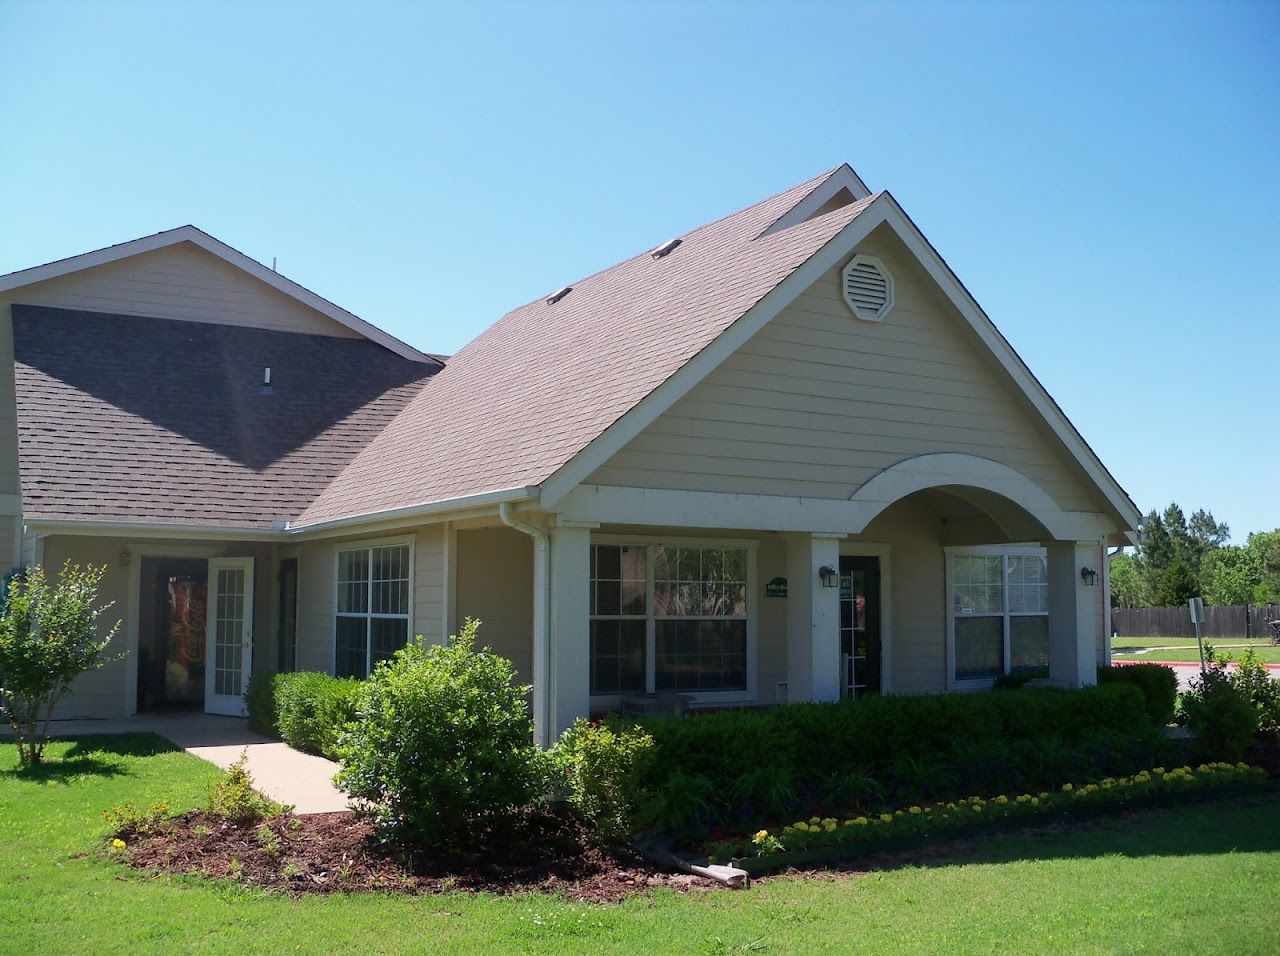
(543, 693)
(425, 509)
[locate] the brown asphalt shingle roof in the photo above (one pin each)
(534, 389)
(122, 418)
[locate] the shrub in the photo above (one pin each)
(129, 819)
(1255, 683)
(313, 709)
(260, 703)
(600, 767)
(897, 748)
(234, 799)
(48, 636)
(1222, 720)
(441, 755)
(1158, 683)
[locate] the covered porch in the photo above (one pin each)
(939, 576)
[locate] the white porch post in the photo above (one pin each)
(813, 619)
(568, 667)
(1073, 619)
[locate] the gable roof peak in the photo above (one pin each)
(234, 257)
(837, 187)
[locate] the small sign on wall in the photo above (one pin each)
(777, 587)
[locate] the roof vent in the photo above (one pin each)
(867, 287)
(559, 294)
(666, 248)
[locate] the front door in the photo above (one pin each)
(859, 625)
(229, 635)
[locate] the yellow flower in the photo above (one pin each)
(914, 810)
(815, 820)
(886, 818)
(1158, 771)
(1035, 801)
(829, 826)
(860, 821)
(977, 808)
(1002, 799)
(1067, 788)
(828, 821)
(1242, 765)
(117, 844)
(761, 836)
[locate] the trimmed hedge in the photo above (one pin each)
(307, 709)
(1158, 683)
(728, 768)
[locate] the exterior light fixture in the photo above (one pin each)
(125, 557)
(829, 576)
(1089, 576)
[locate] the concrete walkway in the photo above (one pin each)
(282, 773)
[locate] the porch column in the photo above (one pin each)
(813, 619)
(569, 650)
(1073, 614)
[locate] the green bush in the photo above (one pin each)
(234, 799)
(893, 749)
(441, 755)
(1158, 683)
(1221, 719)
(260, 703)
(1255, 683)
(313, 709)
(600, 766)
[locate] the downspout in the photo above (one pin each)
(542, 690)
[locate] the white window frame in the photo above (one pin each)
(348, 546)
(988, 550)
(651, 543)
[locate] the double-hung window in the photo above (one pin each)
(373, 606)
(667, 618)
(999, 610)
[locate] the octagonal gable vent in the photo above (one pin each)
(867, 287)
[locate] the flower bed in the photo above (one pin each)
(827, 839)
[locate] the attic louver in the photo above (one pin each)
(867, 287)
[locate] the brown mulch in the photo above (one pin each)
(337, 853)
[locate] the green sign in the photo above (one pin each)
(776, 588)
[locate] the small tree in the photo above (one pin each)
(48, 635)
(1178, 585)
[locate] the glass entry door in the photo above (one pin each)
(859, 625)
(229, 634)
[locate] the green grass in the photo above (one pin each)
(1198, 879)
(1184, 648)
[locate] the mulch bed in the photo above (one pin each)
(337, 853)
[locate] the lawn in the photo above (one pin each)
(1198, 879)
(1184, 648)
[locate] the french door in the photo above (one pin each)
(228, 635)
(859, 625)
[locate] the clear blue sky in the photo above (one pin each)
(1104, 178)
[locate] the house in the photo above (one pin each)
(784, 456)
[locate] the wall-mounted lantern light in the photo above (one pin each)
(125, 557)
(1089, 576)
(829, 576)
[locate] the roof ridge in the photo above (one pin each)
(813, 182)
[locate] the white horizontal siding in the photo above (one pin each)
(818, 402)
(180, 282)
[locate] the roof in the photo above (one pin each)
(538, 386)
(170, 237)
(146, 420)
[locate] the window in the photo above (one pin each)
(373, 606)
(668, 619)
(1000, 614)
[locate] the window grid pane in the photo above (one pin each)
(373, 607)
(999, 606)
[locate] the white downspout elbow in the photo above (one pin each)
(542, 689)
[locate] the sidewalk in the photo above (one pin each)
(282, 773)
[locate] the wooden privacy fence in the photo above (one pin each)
(1228, 620)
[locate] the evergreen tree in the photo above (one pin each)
(1178, 585)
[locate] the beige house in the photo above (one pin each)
(784, 456)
